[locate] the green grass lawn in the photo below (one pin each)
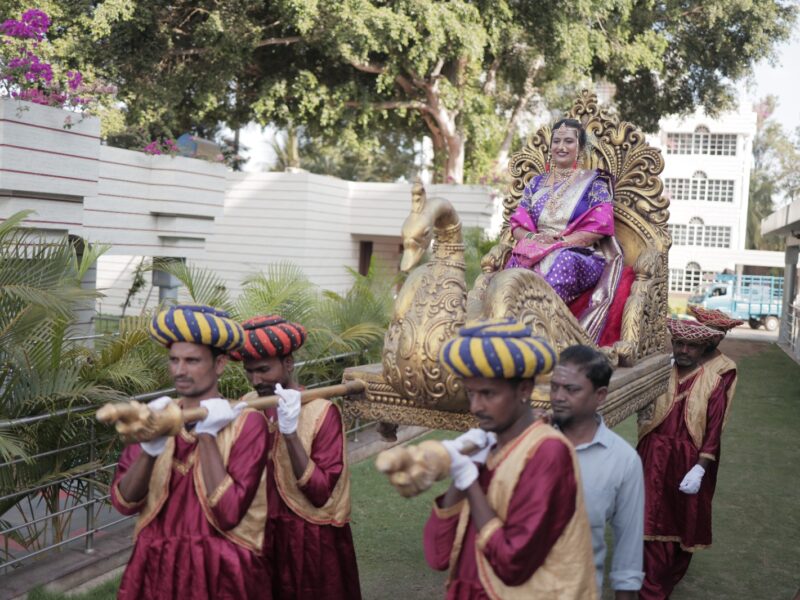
(387, 531)
(106, 591)
(756, 518)
(755, 553)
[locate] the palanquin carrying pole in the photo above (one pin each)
(135, 422)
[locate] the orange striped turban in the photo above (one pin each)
(266, 337)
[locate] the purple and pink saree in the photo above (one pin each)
(584, 205)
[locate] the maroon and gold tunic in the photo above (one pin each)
(544, 511)
(192, 546)
(311, 543)
(670, 448)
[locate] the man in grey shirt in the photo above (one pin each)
(611, 471)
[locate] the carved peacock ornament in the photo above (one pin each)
(431, 306)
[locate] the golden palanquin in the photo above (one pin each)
(410, 387)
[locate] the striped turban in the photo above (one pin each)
(686, 330)
(196, 324)
(265, 337)
(499, 348)
(716, 319)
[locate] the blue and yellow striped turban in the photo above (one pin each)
(498, 349)
(196, 324)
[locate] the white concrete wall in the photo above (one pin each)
(45, 166)
(140, 205)
(313, 221)
(154, 205)
(317, 222)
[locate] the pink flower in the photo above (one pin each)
(30, 77)
(74, 80)
(153, 148)
(33, 25)
(37, 20)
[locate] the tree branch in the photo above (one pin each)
(268, 42)
(405, 84)
(490, 85)
(188, 51)
(279, 41)
(437, 70)
(390, 105)
(373, 68)
(528, 90)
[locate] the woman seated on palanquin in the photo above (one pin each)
(564, 229)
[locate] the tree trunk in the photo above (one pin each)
(454, 168)
(292, 149)
(529, 90)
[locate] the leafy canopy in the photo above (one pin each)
(462, 72)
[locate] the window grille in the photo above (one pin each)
(688, 279)
(702, 142)
(699, 189)
(698, 234)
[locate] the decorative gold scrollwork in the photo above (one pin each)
(640, 210)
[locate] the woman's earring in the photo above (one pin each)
(548, 167)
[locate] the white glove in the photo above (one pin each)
(479, 439)
(691, 481)
(156, 446)
(288, 409)
(462, 470)
(220, 413)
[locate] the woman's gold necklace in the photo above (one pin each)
(564, 177)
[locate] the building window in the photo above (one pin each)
(364, 257)
(717, 236)
(696, 233)
(678, 233)
(688, 279)
(702, 142)
(700, 188)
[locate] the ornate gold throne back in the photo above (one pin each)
(640, 212)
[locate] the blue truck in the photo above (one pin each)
(754, 298)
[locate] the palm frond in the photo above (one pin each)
(203, 285)
(282, 288)
(10, 225)
(89, 257)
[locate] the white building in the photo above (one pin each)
(707, 178)
(146, 207)
(785, 223)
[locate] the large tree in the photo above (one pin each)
(462, 72)
(775, 174)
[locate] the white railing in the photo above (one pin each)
(40, 517)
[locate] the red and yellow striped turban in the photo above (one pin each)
(196, 324)
(497, 349)
(266, 337)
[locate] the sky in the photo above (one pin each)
(781, 79)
